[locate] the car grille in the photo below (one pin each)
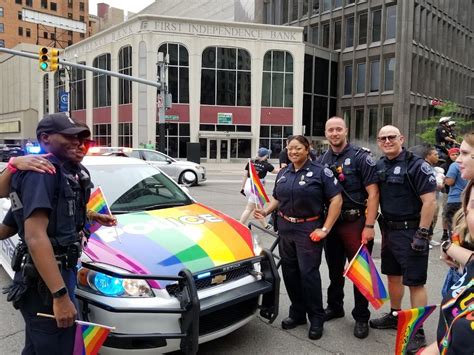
(202, 284)
(226, 317)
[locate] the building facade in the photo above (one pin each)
(14, 30)
(395, 57)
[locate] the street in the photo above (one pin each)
(221, 192)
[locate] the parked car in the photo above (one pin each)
(10, 150)
(176, 169)
(173, 273)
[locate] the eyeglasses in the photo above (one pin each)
(389, 138)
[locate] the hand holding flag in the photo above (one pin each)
(102, 215)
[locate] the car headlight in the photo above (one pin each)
(105, 285)
(197, 167)
(257, 245)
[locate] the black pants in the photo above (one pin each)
(341, 245)
(449, 212)
(300, 260)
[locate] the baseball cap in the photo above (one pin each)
(444, 119)
(264, 151)
(453, 151)
(451, 123)
(60, 123)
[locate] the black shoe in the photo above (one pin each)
(290, 323)
(416, 343)
(315, 332)
(361, 330)
(388, 321)
(329, 314)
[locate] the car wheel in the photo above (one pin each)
(182, 180)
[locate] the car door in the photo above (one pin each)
(161, 161)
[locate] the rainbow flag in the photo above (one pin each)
(257, 187)
(89, 338)
(409, 321)
(362, 272)
(97, 203)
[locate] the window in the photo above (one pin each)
(225, 77)
(78, 88)
(360, 85)
(374, 76)
(326, 28)
(53, 6)
(28, 32)
(45, 35)
(349, 32)
(2, 43)
(125, 67)
(315, 34)
(362, 29)
(103, 134)
(337, 35)
(391, 25)
(326, 5)
(20, 15)
(350, 2)
(284, 12)
(304, 12)
(376, 25)
(81, 18)
(178, 75)
(337, 3)
(18, 2)
(177, 135)
(52, 36)
(125, 135)
(387, 115)
(29, 2)
(81, 6)
(277, 90)
(69, 4)
(315, 10)
(1, 11)
(373, 123)
(20, 31)
(81, 35)
(69, 16)
(389, 72)
(44, 4)
(2, 29)
(274, 138)
(45, 94)
(359, 124)
(101, 82)
(348, 80)
(294, 11)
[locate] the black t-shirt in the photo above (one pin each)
(283, 157)
(262, 166)
(456, 318)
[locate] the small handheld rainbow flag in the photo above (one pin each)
(89, 338)
(362, 272)
(257, 187)
(97, 203)
(409, 321)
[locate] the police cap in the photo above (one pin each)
(60, 123)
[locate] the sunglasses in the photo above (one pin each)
(389, 138)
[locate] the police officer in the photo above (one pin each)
(49, 211)
(443, 134)
(355, 169)
(407, 202)
(302, 189)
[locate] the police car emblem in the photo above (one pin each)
(347, 161)
(370, 161)
(397, 170)
(426, 168)
(328, 172)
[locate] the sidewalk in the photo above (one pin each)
(231, 167)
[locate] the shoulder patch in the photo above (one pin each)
(366, 149)
(328, 172)
(426, 168)
(369, 160)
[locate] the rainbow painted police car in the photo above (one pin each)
(173, 273)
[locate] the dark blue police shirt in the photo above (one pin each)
(358, 169)
(303, 193)
(9, 219)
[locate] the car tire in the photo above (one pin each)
(181, 178)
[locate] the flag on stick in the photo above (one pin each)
(89, 338)
(409, 321)
(362, 272)
(98, 204)
(256, 185)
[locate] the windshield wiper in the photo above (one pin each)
(119, 212)
(164, 205)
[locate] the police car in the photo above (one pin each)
(173, 273)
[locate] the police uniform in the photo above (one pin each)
(355, 169)
(441, 134)
(302, 195)
(64, 196)
(401, 183)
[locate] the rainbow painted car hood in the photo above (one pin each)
(168, 240)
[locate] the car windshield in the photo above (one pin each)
(131, 187)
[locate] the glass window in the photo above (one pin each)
(28, 32)
(362, 29)
(2, 29)
(277, 90)
(78, 88)
(304, 12)
(349, 32)
(315, 10)
(374, 76)
(1, 11)
(125, 136)
(320, 115)
(391, 24)
(44, 4)
(294, 11)
(348, 80)
(337, 3)
(18, 2)
(326, 5)
(387, 115)
(326, 28)
(178, 69)
(337, 35)
(321, 82)
(284, 12)
(360, 87)
(29, 2)
(125, 67)
(53, 6)
(372, 123)
(308, 73)
(2, 43)
(103, 135)
(315, 34)
(389, 72)
(101, 82)
(376, 25)
(20, 31)
(359, 128)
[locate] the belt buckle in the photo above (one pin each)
(292, 219)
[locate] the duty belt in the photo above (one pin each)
(351, 215)
(398, 225)
(297, 219)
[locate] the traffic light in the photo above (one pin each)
(48, 59)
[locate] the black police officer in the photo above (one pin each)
(355, 169)
(49, 211)
(302, 189)
(443, 134)
(407, 202)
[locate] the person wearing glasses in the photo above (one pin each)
(355, 170)
(407, 201)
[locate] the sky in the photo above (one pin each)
(127, 5)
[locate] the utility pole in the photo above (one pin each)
(163, 99)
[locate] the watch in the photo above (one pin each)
(59, 293)
(445, 246)
(371, 226)
(10, 166)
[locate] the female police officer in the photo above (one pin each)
(302, 190)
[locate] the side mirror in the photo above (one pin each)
(168, 160)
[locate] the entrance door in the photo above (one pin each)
(218, 150)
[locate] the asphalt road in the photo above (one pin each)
(221, 191)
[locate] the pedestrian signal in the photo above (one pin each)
(48, 59)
